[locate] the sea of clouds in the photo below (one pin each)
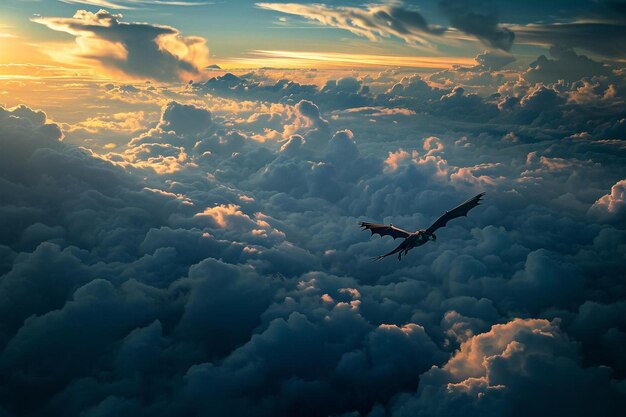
(212, 263)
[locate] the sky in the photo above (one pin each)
(181, 186)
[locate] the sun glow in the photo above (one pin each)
(329, 60)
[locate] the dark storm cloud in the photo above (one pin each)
(213, 264)
(597, 27)
(478, 18)
(603, 38)
(493, 60)
(341, 93)
(567, 66)
(616, 5)
(135, 49)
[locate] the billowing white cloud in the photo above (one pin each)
(495, 373)
(612, 204)
(136, 50)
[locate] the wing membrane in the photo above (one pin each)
(384, 230)
(459, 211)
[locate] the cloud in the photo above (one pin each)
(567, 66)
(133, 4)
(341, 148)
(187, 120)
(306, 59)
(494, 60)
(599, 37)
(99, 3)
(341, 93)
(378, 21)
(481, 22)
(164, 147)
(612, 204)
(497, 371)
(136, 50)
(373, 22)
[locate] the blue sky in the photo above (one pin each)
(233, 29)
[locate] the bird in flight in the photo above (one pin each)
(418, 238)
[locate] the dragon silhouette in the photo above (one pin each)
(422, 236)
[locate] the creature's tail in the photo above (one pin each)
(396, 250)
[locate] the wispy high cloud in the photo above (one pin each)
(298, 59)
(132, 4)
(600, 37)
(376, 21)
(373, 22)
(5, 34)
(99, 3)
(129, 49)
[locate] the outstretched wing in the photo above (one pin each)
(459, 211)
(384, 230)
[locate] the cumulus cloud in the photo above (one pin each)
(567, 66)
(341, 93)
(497, 371)
(186, 120)
(481, 22)
(137, 50)
(612, 204)
(494, 60)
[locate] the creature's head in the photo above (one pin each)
(426, 235)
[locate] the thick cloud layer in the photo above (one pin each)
(212, 265)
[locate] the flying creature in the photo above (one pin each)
(420, 237)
